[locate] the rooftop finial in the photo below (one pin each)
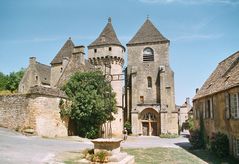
(109, 20)
(147, 16)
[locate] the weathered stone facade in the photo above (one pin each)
(38, 111)
(107, 53)
(217, 102)
(184, 113)
(150, 84)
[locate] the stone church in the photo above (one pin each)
(146, 100)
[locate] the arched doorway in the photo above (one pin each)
(149, 119)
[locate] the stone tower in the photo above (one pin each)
(149, 87)
(60, 61)
(107, 53)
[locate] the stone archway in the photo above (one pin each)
(150, 122)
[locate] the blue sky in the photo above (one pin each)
(202, 32)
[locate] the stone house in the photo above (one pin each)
(184, 113)
(149, 90)
(217, 102)
(36, 74)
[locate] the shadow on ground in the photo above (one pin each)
(206, 155)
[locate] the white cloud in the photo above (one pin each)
(228, 2)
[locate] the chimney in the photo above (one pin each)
(32, 60)
(65, 61)
(79, 54)
(188, 101)
(197, 90)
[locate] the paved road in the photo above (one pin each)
(19, 149)
(16, 148)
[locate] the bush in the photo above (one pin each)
(196, 139)
(220, 144)
(128, 126)
(168, 135)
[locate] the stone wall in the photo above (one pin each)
(35, 111)
(14, 113)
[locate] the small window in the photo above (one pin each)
(61, 70)
(95, 50)
(36, 78)
(148, 54)
(234, 105)
(141, 99)
(110, 48)
(149, 79)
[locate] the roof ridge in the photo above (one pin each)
(65, 51)
(147, 33)
(107, 36)
(42, 64)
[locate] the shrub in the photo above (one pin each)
(220, 144)
(128, 127)
(196, 139)
(101, 156)
(168, 135)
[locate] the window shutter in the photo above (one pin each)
(237, 106)
(211, 108)
(227, 105)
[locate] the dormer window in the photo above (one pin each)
(148, 54)
(95, 50)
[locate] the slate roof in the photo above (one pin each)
(147, 33)
(107, 37)
(71, 69)
(44, 71)
(224, 77)
(65, 51)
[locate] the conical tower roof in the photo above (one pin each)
(147, 33)
(65, 51)
(107, 37)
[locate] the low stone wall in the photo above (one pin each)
(14, 113)
(37, 111)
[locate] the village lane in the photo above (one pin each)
(21, 149)
(16, 148)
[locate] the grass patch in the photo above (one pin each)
(176, 156)
(211, 157)
(163, 155)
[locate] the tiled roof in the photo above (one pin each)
(44, 71)
(65, 51)
(47, 91)
(225, 76)
(107, 37)
(147, 33)
(71, 69)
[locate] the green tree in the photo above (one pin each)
(13, 80)
(92, 102)
(3, 81)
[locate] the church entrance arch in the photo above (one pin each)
(150, 122)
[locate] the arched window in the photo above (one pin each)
(149, 116)
(148, 54)
(149, 79)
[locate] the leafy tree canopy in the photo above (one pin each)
(10, 82)
(92, 102)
